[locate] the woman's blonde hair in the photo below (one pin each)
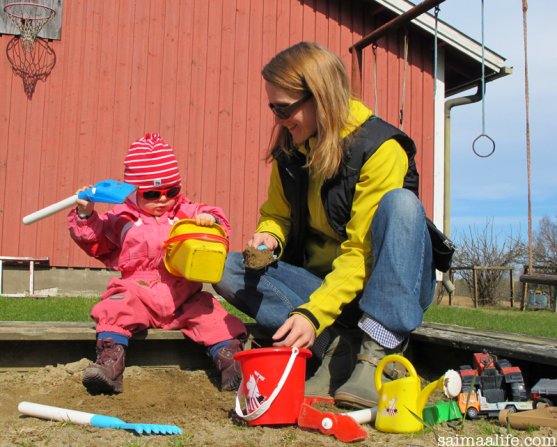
(309, 67)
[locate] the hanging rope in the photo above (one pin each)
(403, 101)
(437, 9)
(527, 101)
(376, 105)
(483, 135)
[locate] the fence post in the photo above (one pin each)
(450, 292)
(475, 279)
(451, 279)
(512, 286)
(524, 289)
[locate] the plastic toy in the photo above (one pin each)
(441, 412)
(491, 386)
(540, 417)
(544, 393)
(96, 420)
(272, 384)
(196, 252)
(401, 402)
(344, 426)
(273, 390)
(107, 191)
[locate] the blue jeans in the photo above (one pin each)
(399, 290)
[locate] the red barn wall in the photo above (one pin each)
(190, 70)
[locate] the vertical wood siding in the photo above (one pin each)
(190, 70)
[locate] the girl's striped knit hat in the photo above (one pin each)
(151, 163)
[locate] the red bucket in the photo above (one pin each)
(272, 385)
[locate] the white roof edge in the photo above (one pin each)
(448, 34)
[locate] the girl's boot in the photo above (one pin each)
(105, 375)
(230, 371)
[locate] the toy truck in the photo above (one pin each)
(477, 404)
(544, 393)
(491, 386)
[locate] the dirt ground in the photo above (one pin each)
(188, 399)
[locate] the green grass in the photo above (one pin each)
(72, 308)
(46, 309)
(538, 323)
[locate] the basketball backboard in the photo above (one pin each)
(52, 30)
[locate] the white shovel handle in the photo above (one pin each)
(50, 209)
(55, 413)
(258, 412)
(365, 416)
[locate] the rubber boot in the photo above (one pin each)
(335, 369)
(359, 391)
(106, 374)
(230, 371)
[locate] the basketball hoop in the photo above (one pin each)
(30, 66)
(29, 18)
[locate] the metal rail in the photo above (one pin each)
(376, 34)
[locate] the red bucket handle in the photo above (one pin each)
(266, 404)
(199, 236)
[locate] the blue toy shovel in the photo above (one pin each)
(96, 420)
(107, 191)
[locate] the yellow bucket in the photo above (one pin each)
(195, 252)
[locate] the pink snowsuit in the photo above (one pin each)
(129, 241)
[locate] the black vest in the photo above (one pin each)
(337, 193)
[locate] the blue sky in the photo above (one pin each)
(494, 189)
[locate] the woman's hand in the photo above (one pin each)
(84, 207)
(296, 331)
(205, 219)
(266, 239)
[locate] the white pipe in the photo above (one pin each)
(363, 416)
(50, 209)
(54, 413)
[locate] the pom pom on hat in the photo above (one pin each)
(151, 163)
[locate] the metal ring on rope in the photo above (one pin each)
(483, 135)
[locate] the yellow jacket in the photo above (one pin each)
(344, 264)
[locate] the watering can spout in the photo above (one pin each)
(423, 397)
(450, 383)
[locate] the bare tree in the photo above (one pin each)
(482, 247)
(545, 243)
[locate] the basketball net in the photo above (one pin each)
(29, 18)
(31, 66)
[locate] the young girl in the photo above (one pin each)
(129, 238)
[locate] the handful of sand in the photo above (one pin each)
(257, 259)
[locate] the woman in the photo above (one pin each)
(343, 217)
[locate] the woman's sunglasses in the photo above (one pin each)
(155, 194)
(284, 111)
